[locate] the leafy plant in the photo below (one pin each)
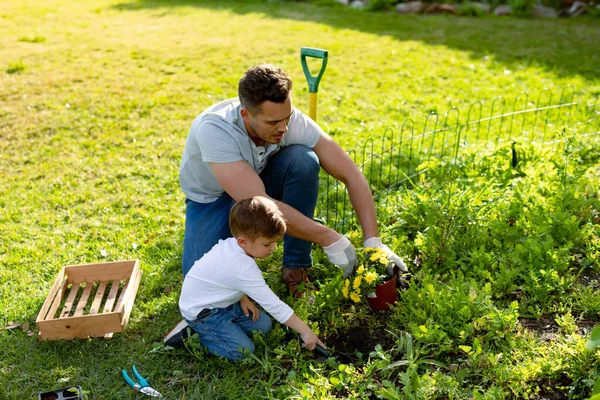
(522, 7)
(372, 270)
(592, 344)
(15, 67)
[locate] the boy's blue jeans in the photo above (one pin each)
(224, 331)
(291, 176)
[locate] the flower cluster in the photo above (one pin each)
(371, 272)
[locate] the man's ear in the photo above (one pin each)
(245, 113)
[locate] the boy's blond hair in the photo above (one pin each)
(256, 217)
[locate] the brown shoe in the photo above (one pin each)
(294, 277)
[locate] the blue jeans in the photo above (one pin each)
(224, 331)
(291, 176)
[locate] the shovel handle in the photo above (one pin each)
(313, 81)
(322, 351)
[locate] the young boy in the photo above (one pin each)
(216, 295)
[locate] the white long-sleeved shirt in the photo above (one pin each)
(221, 277)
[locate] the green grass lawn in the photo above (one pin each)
(96, 99)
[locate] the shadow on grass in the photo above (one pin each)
(566, 48)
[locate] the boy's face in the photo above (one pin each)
(261, 247)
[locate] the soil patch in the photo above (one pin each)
(585, 326)
(589, 279)
(545, 327)
(552, 389)
(358, 339)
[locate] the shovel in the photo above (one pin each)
(313, 81)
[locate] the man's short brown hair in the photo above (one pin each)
(262, 83)
(256, 217)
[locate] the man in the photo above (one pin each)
(260, 145)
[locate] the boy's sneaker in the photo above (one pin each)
(176, 336)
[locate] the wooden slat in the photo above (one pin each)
(98, 298)
(80, 327)
(112, 295)
(83, 300)
(100, 272)
(122, 297)
(69, 302)
(58, 284)
(57, 301)
(129, 288)
(134, 283)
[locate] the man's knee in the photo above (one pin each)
(303, 161)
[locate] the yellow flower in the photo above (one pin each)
(355, 297)
(360, 270)
(347, 283)
(357, 290)
(374, 257)
(383, 260)
(370, 276)
(357, 281)
(345, 292)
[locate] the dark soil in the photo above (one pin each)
(553, 389)
(48, 396)
(358, 339)
(589, 278)
(545, 327)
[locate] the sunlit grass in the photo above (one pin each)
(96, 99)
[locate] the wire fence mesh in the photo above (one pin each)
(396, 158)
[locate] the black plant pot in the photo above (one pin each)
(69, 393)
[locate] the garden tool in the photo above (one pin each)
(143, 386)
(290, 335)
(313, 81)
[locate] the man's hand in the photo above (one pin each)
(249, 307)
(375, 242)
(342, 254)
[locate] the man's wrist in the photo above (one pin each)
(330, 238)
(373, 241)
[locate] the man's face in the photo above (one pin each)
(269, 123)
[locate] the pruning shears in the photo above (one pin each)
(142, 386)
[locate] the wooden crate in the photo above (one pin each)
(90, 300)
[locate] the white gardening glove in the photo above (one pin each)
(342, 254)
(375, 242)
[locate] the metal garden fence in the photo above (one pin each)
(396, 158)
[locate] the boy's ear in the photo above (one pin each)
(242, 241)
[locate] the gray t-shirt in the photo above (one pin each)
(218, 135)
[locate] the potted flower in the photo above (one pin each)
(372, 281)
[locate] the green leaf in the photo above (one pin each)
(596, 390)
(396, 364)
(466, 349)
(594, 340)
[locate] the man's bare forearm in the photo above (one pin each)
(304, 228)
(363, 204)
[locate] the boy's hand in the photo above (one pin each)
(249, 307)
(311, 340)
